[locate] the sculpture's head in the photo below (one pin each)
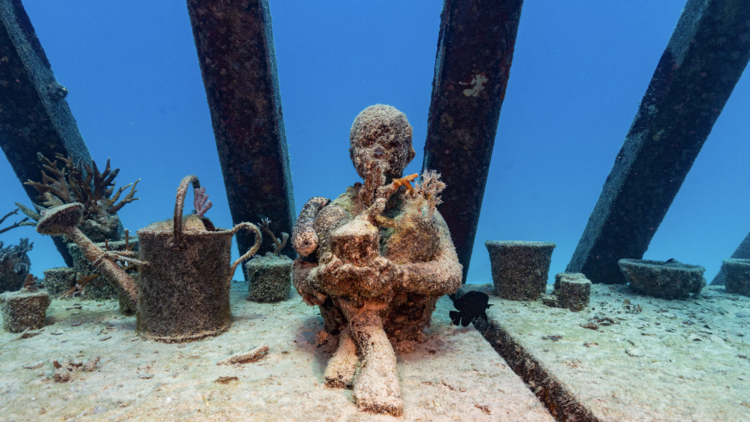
(380, 143)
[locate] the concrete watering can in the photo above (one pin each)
(184, 266)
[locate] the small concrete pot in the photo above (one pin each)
(270, 278)
(519, 269)
(59, 280)
(736, 275)
(663, 279)
(23, 310)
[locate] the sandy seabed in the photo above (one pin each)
(454, 376)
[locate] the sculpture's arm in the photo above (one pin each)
(304, 238)
(438, 277)
(314, 226)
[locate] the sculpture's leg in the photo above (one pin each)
(377, 388)
(342, 366)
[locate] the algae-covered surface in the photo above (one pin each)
(632, 358)
(455, 375)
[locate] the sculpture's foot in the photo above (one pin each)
(377, 388)
(342, 366)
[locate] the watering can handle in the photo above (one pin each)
(179, 204)
(258, 239)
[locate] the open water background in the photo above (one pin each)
(579, 72)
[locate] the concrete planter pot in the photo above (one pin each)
(736, 275)
(23, 310)
(59, 280)
(99, 288)
(519, 269)
(663, 279)
(270, 278)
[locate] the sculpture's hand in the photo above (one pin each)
(343, 279)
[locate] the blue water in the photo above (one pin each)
(579, 71)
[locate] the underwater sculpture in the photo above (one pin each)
(95, 193)
(376, 259)
(182, 292)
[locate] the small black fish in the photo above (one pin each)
(471, 305)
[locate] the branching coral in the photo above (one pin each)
(19, 253)
(430, 187)
(95, 190)
(23, 222)
(201, 202)
(265, 225)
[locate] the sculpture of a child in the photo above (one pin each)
(376, 259)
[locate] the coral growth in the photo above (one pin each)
(201, 203)
(14, 265)
(384, 257)
(79, 183)
(265, 225)
(23, 222)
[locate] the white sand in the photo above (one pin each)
(454, 376)
(677, 360)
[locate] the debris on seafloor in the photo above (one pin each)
(471, 305)
(631, 308)
(63, 372)
(247, 357)
(553, 337)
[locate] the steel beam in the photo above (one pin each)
(237, 58)
(704, 59)
(474, 55)
(34, 115)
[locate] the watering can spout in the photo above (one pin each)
(64, 220)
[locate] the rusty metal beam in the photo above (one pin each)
(474, 55)
(34, 115)
(237, 58)
(704, 59)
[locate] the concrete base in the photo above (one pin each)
(23, 310)
(454, 376)
(99, 288)
(59, 280)
(629, 357)
(270, 278)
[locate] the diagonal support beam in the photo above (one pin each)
(705, 57)
(237, 58)
(34, 115)
(474, 55)
(742, 252)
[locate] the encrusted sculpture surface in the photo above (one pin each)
(376, 259)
